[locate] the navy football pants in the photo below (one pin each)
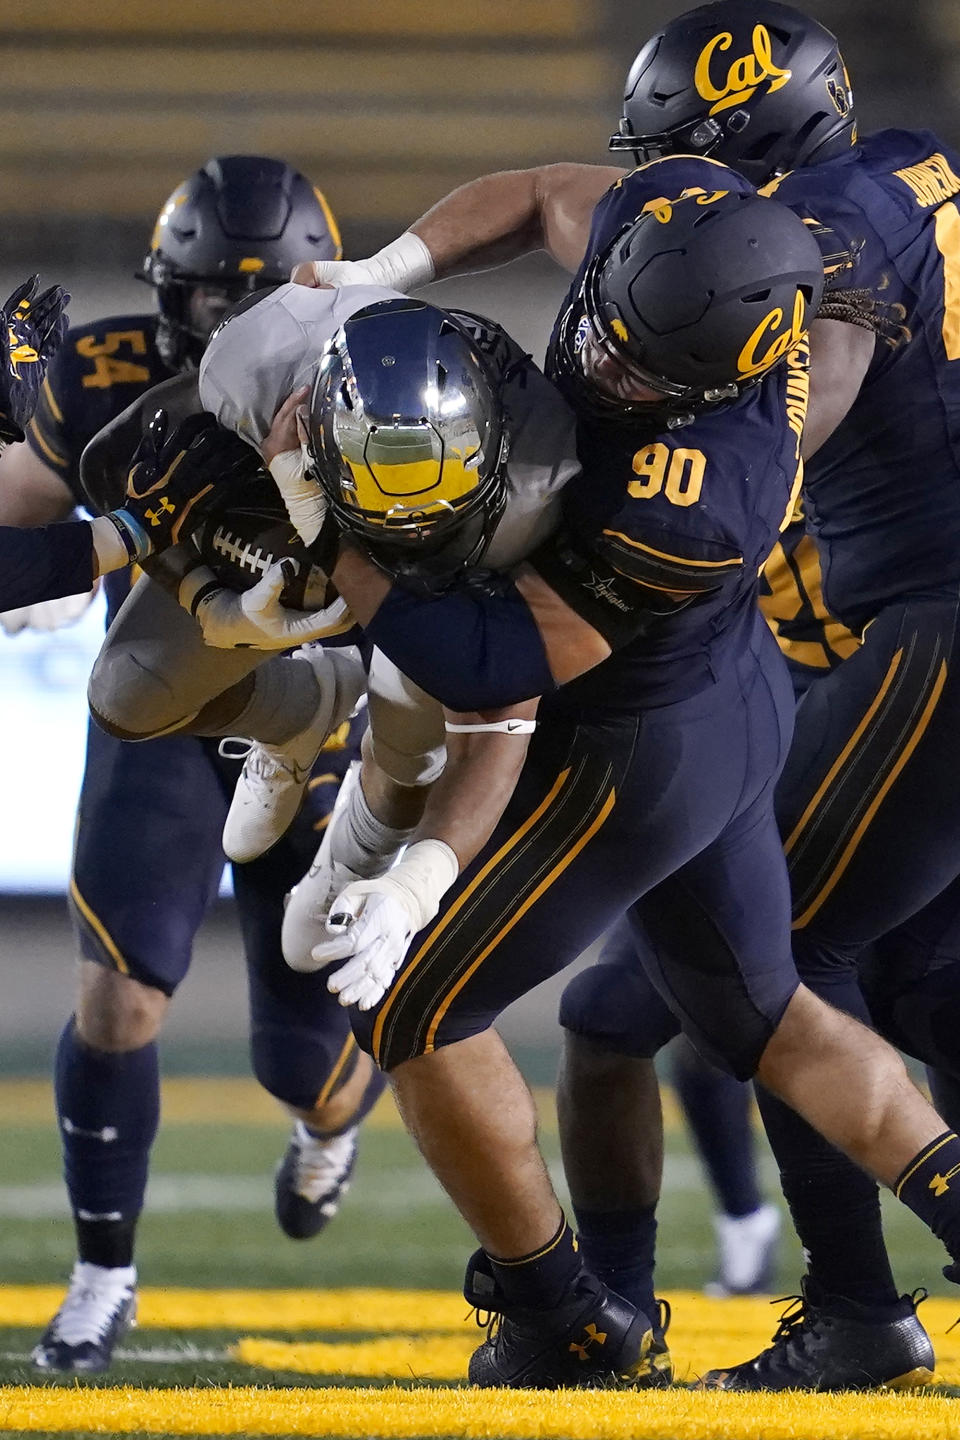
(668, 811)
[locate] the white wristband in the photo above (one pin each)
(426, 872)
(405, 264)
(305, 501)
(108, 546)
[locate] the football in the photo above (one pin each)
(245, 530)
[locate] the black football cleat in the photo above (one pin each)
(658, 1362)
(97, 1311)
(594, 1340)
(311, 1180)
(825, 1342)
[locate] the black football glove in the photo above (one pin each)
(173, 477)
(32, 327)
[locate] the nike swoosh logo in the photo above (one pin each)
(513, 726)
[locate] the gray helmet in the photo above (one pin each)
(406, 437)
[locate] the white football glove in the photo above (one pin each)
(373, 921)
(256, 619)
(47, 614)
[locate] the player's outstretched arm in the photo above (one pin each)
(372, 922)
(486, 222)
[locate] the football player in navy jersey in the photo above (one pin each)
(148, 861)
(867, 767)
(656, 563)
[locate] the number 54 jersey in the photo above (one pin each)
(882, 496)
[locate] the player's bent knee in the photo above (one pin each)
(614, 1007)
(128, 700)
(295, 1065)
(116, 1013)
(409, 770)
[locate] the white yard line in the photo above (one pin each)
(172, 1194)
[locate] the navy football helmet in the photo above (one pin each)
(406, 436)
(753, 83)
(240, 223)
(696, 300)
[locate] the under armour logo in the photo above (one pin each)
(591, 1336)
(166, 507)
(940, 1184)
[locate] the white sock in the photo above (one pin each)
(363, 843)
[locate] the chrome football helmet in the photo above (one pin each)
(406, 436)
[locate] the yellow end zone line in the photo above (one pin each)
(427, 1334)
(355, 1309)
(468, 1413)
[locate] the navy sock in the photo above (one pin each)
(542, 1279)
(619, 1246)
(718, 1109)
(835, 1208)
(108, 1106)
(930, 1187)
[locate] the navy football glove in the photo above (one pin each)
(172, 477)
(32, 326)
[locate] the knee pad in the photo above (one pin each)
(294, 1063)
(618, 1008)
(130, 701)
(406, 726)
(420, 768)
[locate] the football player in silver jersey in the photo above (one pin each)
(157, 673)
(451, 384)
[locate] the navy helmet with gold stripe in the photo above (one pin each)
(239, 223)
(753, 83)
(694, 301)
(406, 436)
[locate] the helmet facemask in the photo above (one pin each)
(406, 438)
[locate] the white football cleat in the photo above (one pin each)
(747, 1252)
(97, 1311)
(274, 778)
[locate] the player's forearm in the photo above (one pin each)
(484, 223)
(466, 803)
(513, 212)
(45, 563)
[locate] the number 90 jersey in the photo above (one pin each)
(882, 496)
(692, 512)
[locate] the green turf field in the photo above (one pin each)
(208, 1227)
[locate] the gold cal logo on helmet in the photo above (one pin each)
(749, 362)
(743, 76)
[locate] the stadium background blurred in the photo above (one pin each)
(386, 104)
